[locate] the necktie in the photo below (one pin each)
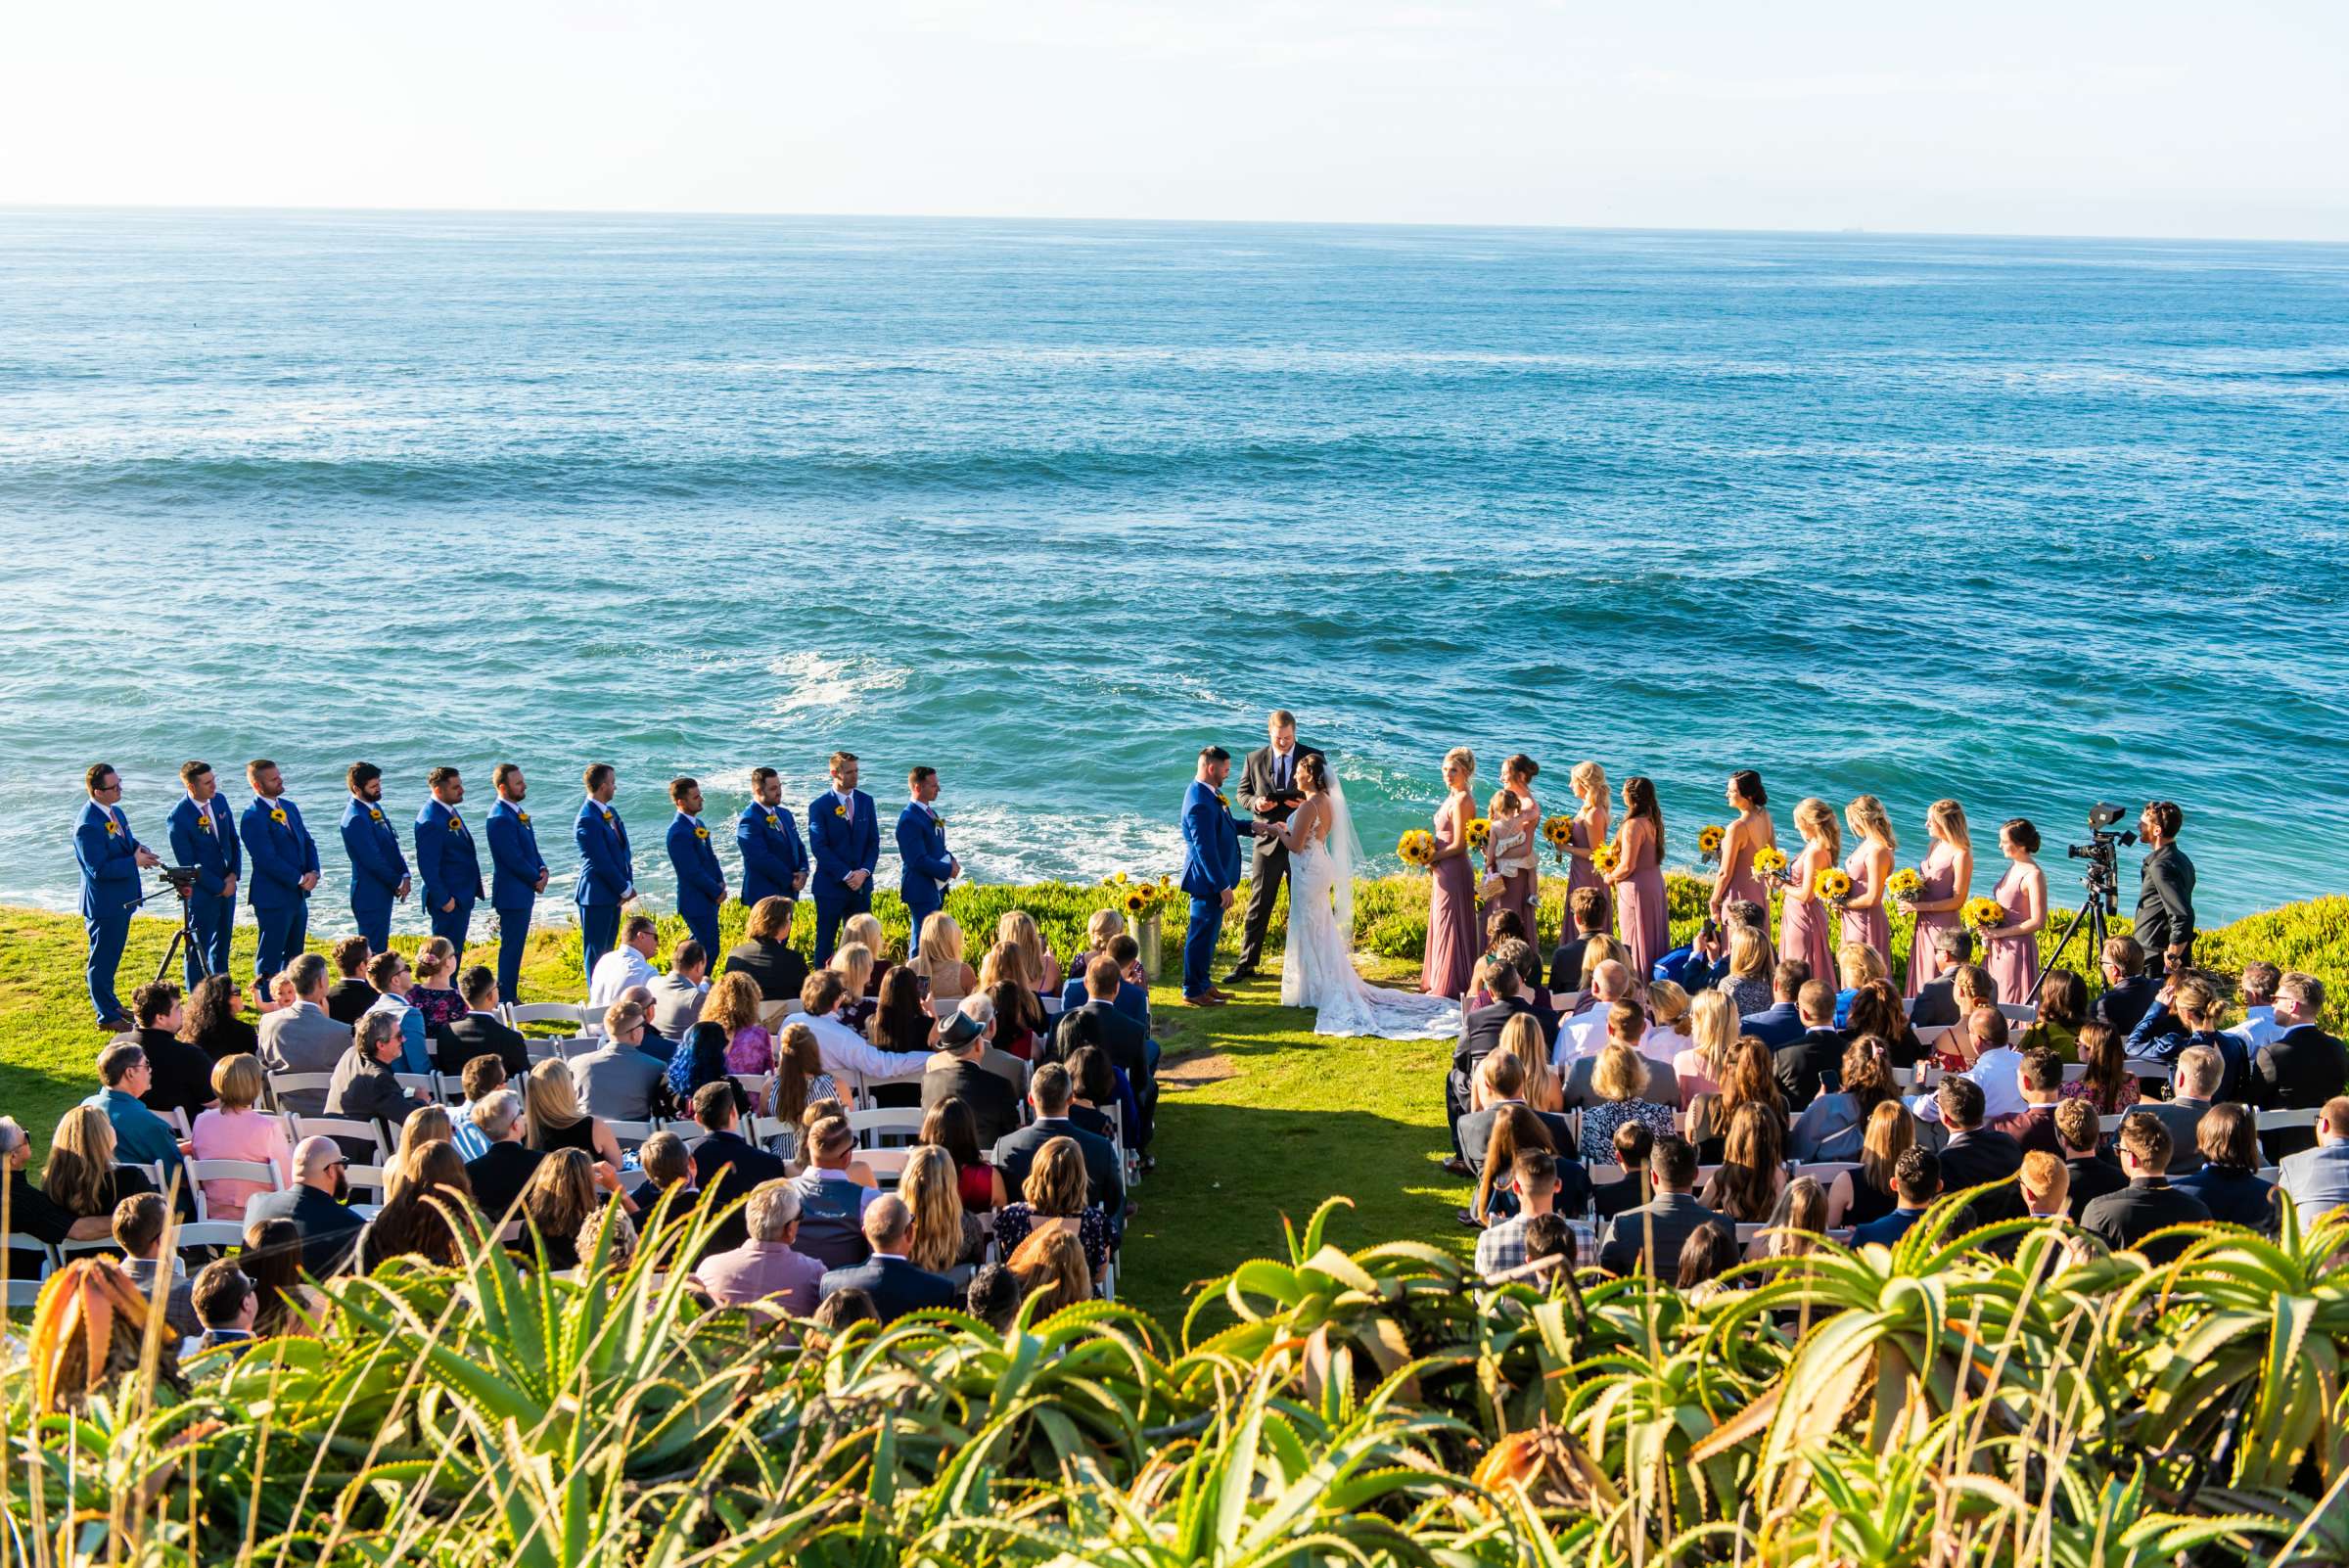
(1280, 769)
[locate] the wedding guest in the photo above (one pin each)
(844, 835)
(1513, 852)
(30, 1212)
(553, 1118)
(1051, 1273)
(2107, 1085)
(1661, 1227)
(1798, 1221)
(226, 1304)
(617, 1080)
(765, 954)
(1805, 931)
(2010, 948)
(1946, 878)
(1584, 1033)
(2128, 989)
(1832, 1126)
(1009, 1068)
(2302, 1067)
(1712, 1030)
(427, 1123)
(1514, 1130)
(1936, 1006)
(1747, 984)
(1451, 930)
(1975, 1152)
(700, 1059)
(678, 996)
(1750, 830)
(1627, 1025)
(1745, 1187)
(1635, 1142)
(1857, 1197)
(351, 995)
(955, 1073)
(1810, 1063)
(1042, 970)
(314, 1205)
(179, 1075)
(1704, 1123)
(393, 979)
(1588, 781)
(2039, 1079)
(499, 1172)
(82, 1180)
(895, 1284)
(1666, 1017)
(435, 996)
(1782, 1022)
(479, 1030)
(138, 1225)
(1591, 914)
(234, 1131)
(1510, 1082)
(1857, 964)
(1638, 879)
(1865, 917)
(733, 1006)
(2148, 1203)
(2255, 993)
(1620, 1084)
(845, 1051)
(1918, 1178)
(766, 1269)
(852, 961)
(1877, 1010)
(949, 1126)
(2186, 1013)
(482, 1076)
(2229, 1185)
(2165, 908)
(212, 1023)
(937, 963)
(629, 963)
(1992, 1064)
(2195, 1089)
(1534, 1178)
(426, 1213)
(2316, 1179)
(1752, 1077)
(557, 1200)
(2061, 1013)
(364, 1087)
(1020, 1019)
(944, 1236)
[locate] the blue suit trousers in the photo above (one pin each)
(284, 932)
(1199, 945)
(831, 909)
(599, 932)
(213, 918)
(454, 924)
(375, 924)
(513, 936)
(108, 934)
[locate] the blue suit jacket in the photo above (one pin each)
(217, 855)
(701, 880)
(1886, 1229)
(281, 853)
(110, 868)
(606, 866)
(1210, 842)
(842, 843)
(771, 852)
(446, 858)
(896, 1286)
(377, 867)
(922, 850)
(514, 858)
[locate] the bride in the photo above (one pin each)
(1317, 969)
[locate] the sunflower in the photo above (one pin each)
(1605, 858)
(1138, 902)
(1906, 883)
(1832, 885)
(1769, 862)
(1479, 829)
(1418, 847)
(1982, 913)
(1558, 833)
(1708, 841)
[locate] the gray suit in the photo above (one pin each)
(1663, 1084)
(616, 1082)
(676, 1006)
(301, 1038)
(2316, 1180)
(364, 1090)
(1675, 1216)
(2181, 1116)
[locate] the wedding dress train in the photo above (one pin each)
(1317, 969)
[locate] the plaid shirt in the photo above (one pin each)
(1501, 1247)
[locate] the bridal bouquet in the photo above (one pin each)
(1831, 887)
(1982, 913)
(1905, 884)
(1605, 858)
(1418, 847)
(1558, 833)
(1477, 832)
(1708, 842)
(1769, 863)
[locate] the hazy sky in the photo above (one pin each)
(2143, 118)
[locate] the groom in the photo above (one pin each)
(1269, 789)
(1210, 869)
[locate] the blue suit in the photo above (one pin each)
(772, 855)
(201, 837)
(514, 866)
(607, 877)
(377, 869)
(845, 839)
(281, 854)
(701, 880)
(1211, 864)
(922, 850)
(451, 868)
(109, 889)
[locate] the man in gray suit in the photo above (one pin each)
(364, 1087)
(2199, 1071)
(617, 1080)
(1652, 1234)
(302, 1039)
(2316, 1179)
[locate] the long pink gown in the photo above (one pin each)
(1578, 874)
(1646, 919)
(2012, 961)
(1804, 932)
(1872, 926)
(1743, 884)
(1940, 877)
(1452, 935)
(1521, 891)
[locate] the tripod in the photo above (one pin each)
(185, 936)
(2103, 903)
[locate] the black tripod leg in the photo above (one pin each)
(2080, 917)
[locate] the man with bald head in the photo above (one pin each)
(315, 1203)
(892, 1281)
(1586, 1033)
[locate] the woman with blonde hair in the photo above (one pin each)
(1637, 880)
(1589, 782)
(1712, 1033)
(83, 1178)
(734, 1006)
(938, 962)
(1750, 831)
(864, 929)
(1521, 1038)
(944, 1235)
(1051, 1267)
(1804, 929)
(1039, 970)
(1865, 919)
(234, 1131)
(1056, 1197)
(1797, 1223)
(1858, 1196)
(1599, 948)
(1946, 878)
(853, 963)
(1667, 1013)
(1856, 967)
(1452, 936)
(425, 1125)
(552, 1117)
(1620, 1082)
(1747, 984)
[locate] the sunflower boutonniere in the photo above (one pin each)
(277, 814)
(771, 823)
(112, 828)
(456, 823)
(1224, 799)
(609, 818)
(700, 832)
(375, 815)
(524, 817)
(840, 811)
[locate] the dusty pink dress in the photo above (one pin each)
(1872, 926)
(1743, 883)
(1805, 930)
(1451, 937)
(1940, 877)
(2012, 961)
(1579, 873)
(1646, 920)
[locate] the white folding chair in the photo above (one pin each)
(772, 1013)
(2140, 1067)
(201, 1170)
(1053, 1006)
(892, 1121)
(210, 1233)
(1746, 1233)
(343, 1127)
(1109, 1278)
(2074, 1072)
(759, 1087)
(424, 1086)
(29, 1261)
(368, 1176)
(1823, 1172)
(2018, 1013)
(178, 1116)
(888, 1166)
(2112, 1123)
(1902, 1077)
(2269, 1174)
(2271, 1121)
(572, 1013)
(281, 1084)
(632, 1133)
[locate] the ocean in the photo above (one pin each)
(1048, 506)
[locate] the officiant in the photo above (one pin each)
(1268, 792)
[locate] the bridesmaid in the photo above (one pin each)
(1521, 891)
(1452, 934)
(1590, 784)
(1803, 924)
(1864, 917)
(1639, 878)
(1948, 875)
(1752, 830)
(2012, 947)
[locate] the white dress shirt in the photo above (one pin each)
(1999, 1074)
(845, 1051)
(617, 971)
(2258, 1028)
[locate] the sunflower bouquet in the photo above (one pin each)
(1708, 842)
(1138, 900)
(1831, 886)
(1478, 832)
(1981, 914)
(1558, 833)
(1769, 863)
(1418, 847)
(1605, 858)
(1905, 884)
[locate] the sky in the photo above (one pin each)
(2142, 119)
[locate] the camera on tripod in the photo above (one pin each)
(2102, 850)
(180, 879)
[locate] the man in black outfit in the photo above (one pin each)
(2300, 1069)
(955, 1073)
(1976, 1154)
(1478, 1039)
(1476, 1130)
(2129, 992)
(499, 1174)
(1590, 913)
(315, 1204)
(726, 1165)
(1268, 790)
(481, 1032)
(351, 996)
(2165, 901)
(2094, 1173)
(1049, 1092)
(1814, 1062)
(765, 954)
(2148, 1202)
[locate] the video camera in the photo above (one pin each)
(2102, 850)
(180, 879)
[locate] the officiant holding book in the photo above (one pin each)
(1268, 792)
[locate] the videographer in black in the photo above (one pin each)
(2165, 902)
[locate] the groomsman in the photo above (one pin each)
(201, 837)
(774, 863)
(446, 855)
(285, 871)
(1267, 790)
(607, 865)
(1210, 869)
(111, 858)
(845, 836)
(378, 872)
(701, 880)
(517, 875)
(922, 851)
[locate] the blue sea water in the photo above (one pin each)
(1049, 505)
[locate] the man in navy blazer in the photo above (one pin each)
(445, 856)
(701, 880)
(774, 863)
(518, 874)
(1211, 870)
(607, 865)
(201, 837)
(922, 851)
(845, 837)
(111, 859)
(283, 859)
(895, 1284)
(378, 872)
(1049, 1092)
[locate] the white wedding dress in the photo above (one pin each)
(1317, 969)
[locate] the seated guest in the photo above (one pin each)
(1534, 1176)
(994, 1297)
(364, 1087)
(499, 1175)
(2300, 1066)
(2040, 1080)
(1832, 1126)
(2184, 1014)
(30, 1210)
(853, 963)
(1710, 1252)
(864, 931)
(481, 1077)
(949, 1126)
(844, 1051)
(1619, 1094)
(1586, 1034)
(1625, 1026)
(733, 1004)
(1635, 1142)
(427, 1123)
(980, 1009)
(1667, 1023)
(901, 1023)
(1705, 1122)
(428, 1213)
(678, 996)
(2148, 1203)
(1056, 1195)
(630, 963)
(944, 1237)
(351, 996)
(1049, 1268)
(140, 1136)
(305, 1037)
(1973, 1154)
(1048, 1094)
(138, 1229)
(2128, 989)
(552, 1117)
(667, 1166)
(1097, 1019)
(1809, 1062)
(1134, 993)
(1797, 1222)
(83, 1179)
(1991, 1064)
(2194, 1086)
(1102, 1105)
(2107, 1085)
(1520, 1042)
(234, 1131)
(799, 1081)
(2229, 1184)
(763, 1269)
(616, 1079)
(272, 1259)
(2094, 1173)
(1039, 968)
(699, 1060)
(1481, 1031)
(955, 1073)
(1514, 1130)
(212, 1023)
(393, 979)
(179, 1075)
(1857, 964)
(1782, 1022)
(765, 954)
(434, 995)
(937, 961)
(225, 1304)
(317, 1205)
(1970, 987)
(651, 1041)
(1712, 1031)
(2063, 1010)
(1507, 1075)
(1589, 915)
(2046, 1187)
(1019, 1010)
(1877, 1010)
(2315, 1179)
(726, 1165)
(1855, 1197)
(1747, 985)
(478, 1029)
(832, 1201)
(1918, 1179)
(1752, 1077)
(1753, 1168)
(892, 1281)
(1937, 1005)
(1637, 1238)
(557, 1201)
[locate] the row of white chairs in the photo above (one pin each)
(589, 1020)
